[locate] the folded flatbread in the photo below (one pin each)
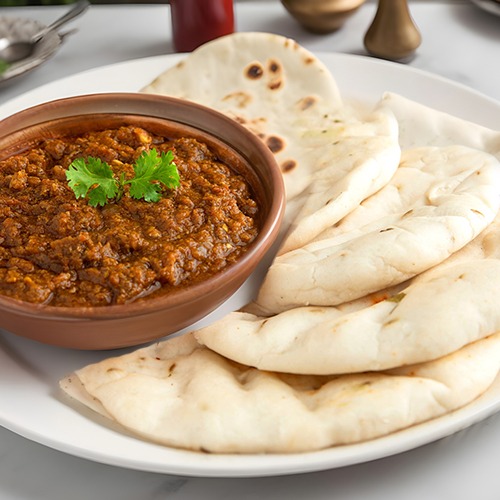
(360, 159)
(181, 394)
(427, 320)
(358, 256)
(439, 199)
(420, 125)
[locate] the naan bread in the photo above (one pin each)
(352, 259)
(360, 159)
(420, 125)
(484, 246)
(438, 201)
(181, 394)
(286, 96)
(427, 320)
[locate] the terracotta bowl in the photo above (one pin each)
(114, 326)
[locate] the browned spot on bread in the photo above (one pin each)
(275, 84)
(273, 66)
(242, 99)
(306, 102)
(288, 166)
(254, 71)
(275, 144)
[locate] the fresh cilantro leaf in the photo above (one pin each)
(95, 176)
(168, 174)
(151, 171)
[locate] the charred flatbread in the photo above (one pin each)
(329, 155)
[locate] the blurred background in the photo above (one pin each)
(20, 3)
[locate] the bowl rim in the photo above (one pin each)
(237, 270)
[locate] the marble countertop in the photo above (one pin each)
(460, 42)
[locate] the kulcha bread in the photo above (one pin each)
(484, 246)
(360, 159)
(439, 200)
(421, 323)
(286, 96)
(422, 131)
(181, 394)
(420, 125)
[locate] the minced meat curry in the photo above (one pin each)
(58, 250)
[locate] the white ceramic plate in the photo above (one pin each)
(29, 372)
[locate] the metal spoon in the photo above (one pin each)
(12, 51)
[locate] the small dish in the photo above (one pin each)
(491, 6)
(18, 29)
(322, 16)
(140, 321)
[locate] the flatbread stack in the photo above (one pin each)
(381, 309)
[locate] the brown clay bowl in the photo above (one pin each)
(115, 326)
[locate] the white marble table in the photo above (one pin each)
(460, 42)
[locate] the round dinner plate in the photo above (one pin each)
(32, 404)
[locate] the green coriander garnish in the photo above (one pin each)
(4, 66)
(151, 171)
(95, 178)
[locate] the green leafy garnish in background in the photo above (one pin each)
(95, 178)
(4, 66)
